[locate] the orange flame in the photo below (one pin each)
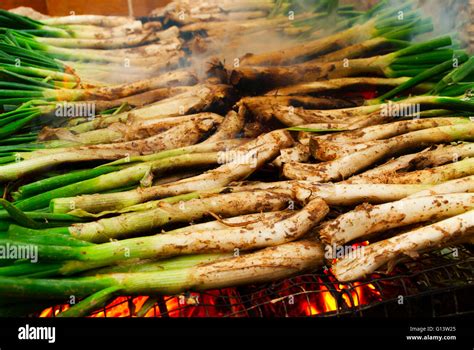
(308, 299)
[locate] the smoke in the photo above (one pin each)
(449, 16)
(230, 48)
(231, 42)
(227, 41)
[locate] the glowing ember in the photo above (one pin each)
(328, 302)
(302, 296)
(312, 310)
(121, 307)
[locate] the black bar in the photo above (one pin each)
(374, 333)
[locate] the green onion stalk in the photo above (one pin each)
(50, 183)
(16, 81)
(246, 269)
(41, 192)
(120, 137)
(362, 49)
(96, 20)
(113, 178)
(18, 146)
(19, 139)
(453, 96)
(326, 151)
(318, 13)
(88, 305)
(13, 138)
(12, 20)
(142, 221)
(31, 74)
(277, 76)
(391, 40)
(357, 117)
(438, 157)
(72, 259)
(33, 164)
(105, 44)
(28, 219)
(78, 31)
(254, 155)
(15, 120)
(369, 29)
(140, 138)
(28, 62)
(21, 92)
(346, 83)
(75, 54)
(198, 97)
(195, 130)
(456, 75)
(348, 165)
(383, 64)
(432, 176)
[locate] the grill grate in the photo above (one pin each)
(438, 284)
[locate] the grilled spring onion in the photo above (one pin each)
(325, 149)
(26, 39)
(199, 97)
(454, 77)
(334, 194)
(88, 55)
(339, 194)
(436, 175)
(38, 194)
(332, 85)
(102, 21)
(147, 220)
(80, 31)
(26, 24)
(275, 76)
(348, 165)
(252, 156)
(116, 179)
(263, 266)
(275, 256)
(389, 250)
(400, 167)
(51, 183)
(170, 139)
(88, 305)
(365, 222)
(16, 93)
(372, 28)
(384, 131)
(25, 236)
(77, 259)
(463, 185)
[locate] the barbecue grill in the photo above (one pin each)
(438, 284)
